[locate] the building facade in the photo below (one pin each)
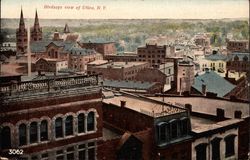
(105, 48)
(51, 65)
(153, 54)
(237, 46)
(53, 124)
(117, 70)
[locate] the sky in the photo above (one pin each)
(126, 9)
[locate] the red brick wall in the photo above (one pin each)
(126, 119)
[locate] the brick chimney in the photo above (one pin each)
(220, 113)
(188, 107)
(204, 89)
(123, 104)
(237, 114)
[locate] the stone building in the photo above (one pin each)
(50, 65)
(51, 118)
(238, 62)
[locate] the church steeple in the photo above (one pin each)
(36, 31)
(21, 36)
(66, 29)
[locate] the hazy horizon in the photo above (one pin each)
(130, 9)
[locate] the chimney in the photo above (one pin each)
(188, 107)
(220, 113)
(123, 104)
(204, 89)
(237, 114)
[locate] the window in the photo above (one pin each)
(22, 135)
(81, 152)
(162, 131)
(184, 126)
(58, 128)
(90, 121)
(69, 125)
(216, 149)
(81, 122)
(70, 153)
(229, 140)
(44, 131)
(201, 151)
(174, 129)
(59, 155)
(33, 132)
(5, 138)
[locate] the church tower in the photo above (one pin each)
(66, 29)
(36, 31)
(21, 36)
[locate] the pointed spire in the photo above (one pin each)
(66, 29)
(36, 24)
(21, 23)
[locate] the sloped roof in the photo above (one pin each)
(215, 57)
(214, 83)
(40, 46)
(81, 51)
(128, 84)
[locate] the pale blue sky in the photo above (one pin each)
(127, 9)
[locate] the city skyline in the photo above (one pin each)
(119, 9)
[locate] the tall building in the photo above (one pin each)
(21, 36)
(36, 31)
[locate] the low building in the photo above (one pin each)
(237, 46)
(123, 57)
(117, 70)
(51, 65)
(134, 86)
(215, 61)
(103, 47)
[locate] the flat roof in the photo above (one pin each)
(199, 124)
(144, 105)
(121, 64)
(209, 105)
(98, 62)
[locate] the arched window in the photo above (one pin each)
(81, 123)
(22, 135)
(69, 125)
(91, 121)
(44, 130)
(5, 138)
(33, 132)
(58, 127)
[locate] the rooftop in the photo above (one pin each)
(216, 57)
(98, 62)
(208, 105)
(108, 134)
(241, 56)
(144, 105)
(214, 83)
(121, 64)
(200, 124)
(136, 85)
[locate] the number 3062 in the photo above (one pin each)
(16, 151)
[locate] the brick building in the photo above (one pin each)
(153, 54)
(238, 62)
(117, 70)
(103, 47)
(237, 46)
(124, 57)
(160, 130)
(51, 119)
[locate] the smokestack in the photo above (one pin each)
(29, 53)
